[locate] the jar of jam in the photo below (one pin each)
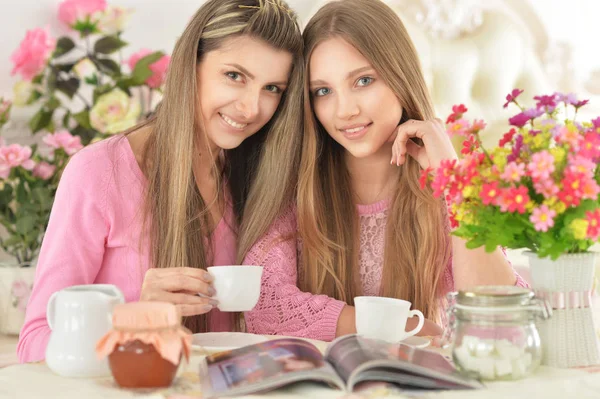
(145, 345)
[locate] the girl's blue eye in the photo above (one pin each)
(365, 81)
(322, 92)
(273, 89)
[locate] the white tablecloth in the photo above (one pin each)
(37, 381)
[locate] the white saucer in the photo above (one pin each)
(417, 342)
(224, 341)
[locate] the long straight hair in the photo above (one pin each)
(175, 213)
(416, 241)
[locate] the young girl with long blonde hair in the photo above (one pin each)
(150, 209)
(362, 225)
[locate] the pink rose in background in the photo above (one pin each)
(14, 156)
(33, 53)
(71, 11)
(159, 68)
(65, 140)
(44, 170)
(20, 291)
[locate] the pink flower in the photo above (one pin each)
(542, 218)
(507, 138)
(458, 127)
(596, 123)
(65, 140)
(159, 68)
(470, 145)
(578, 164)
(519, 120)
(71, 11)
(593, 230)
(568, 136)
(512, 96)
(570, 98)
(490, 193)
(14, 156)
(590, 189)
(477, 126)
(33, 53)
(44, 170)
(541, 165)
(590, 145)
(545, 187)
(457, 113)
(513, 172)
(20, 289)
(581, 103)
(546, 102)
(515, 199)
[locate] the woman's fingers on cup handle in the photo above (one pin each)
(178, 283)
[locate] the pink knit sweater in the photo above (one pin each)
(283, 309)
(93, 237)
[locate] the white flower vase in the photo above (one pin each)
(15, 286)
(568, 337)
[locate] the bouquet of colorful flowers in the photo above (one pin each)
(83, 94)
(538, 189)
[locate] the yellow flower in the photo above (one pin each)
(499, 156)
(469, 192)
(559, 154)
(114, 112)
(579, 228)
(555, 204)
(21, 92)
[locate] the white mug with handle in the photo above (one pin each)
(385, 318)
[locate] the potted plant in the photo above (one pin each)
(539, 189)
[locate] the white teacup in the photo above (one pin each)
(385, 318)
(238, 287)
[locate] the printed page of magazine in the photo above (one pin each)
(265, 366)
(357, 359)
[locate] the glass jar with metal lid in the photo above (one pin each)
(493, 332)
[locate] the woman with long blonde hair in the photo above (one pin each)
(150, 209)
(362, 225)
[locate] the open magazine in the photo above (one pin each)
(348, 362)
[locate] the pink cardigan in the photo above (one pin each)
(94, 237)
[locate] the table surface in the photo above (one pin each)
(36, 381)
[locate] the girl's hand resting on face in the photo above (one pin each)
(180, 286)
(436, 147)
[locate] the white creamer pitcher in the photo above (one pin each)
(78, 317)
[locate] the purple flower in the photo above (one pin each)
(533, 113)
(581, 103)
(570, 98)
(512, 157)
(519, 120)
(534, 133)
(596, 122)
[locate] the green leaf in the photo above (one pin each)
(83, 118)
(25, 224)
(100, 90)
(64, 67)
(86, 134)
(63, 46)
(141, 72)
(35, 95)
(108, 66)
(52, 103)
(38, 79)
(69, 87)
(66, 118)
(93, 80)
(12, 240)
(108, 45)
(40, 120)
